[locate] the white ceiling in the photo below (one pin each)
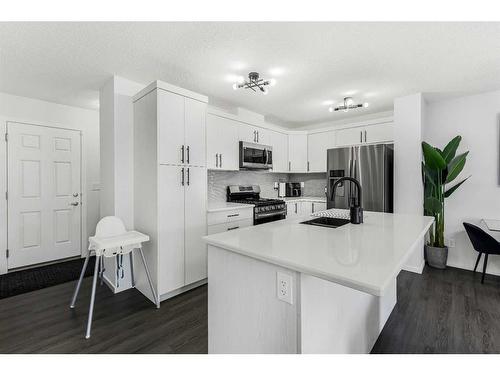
(312, 62)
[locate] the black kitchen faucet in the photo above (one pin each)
(355, 208)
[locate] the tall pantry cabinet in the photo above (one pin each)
(170, 187)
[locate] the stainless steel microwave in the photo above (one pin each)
(255, 156)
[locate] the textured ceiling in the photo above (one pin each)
(312, 62)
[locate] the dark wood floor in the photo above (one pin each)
(437, 312)
(42, 322)
(443, 311)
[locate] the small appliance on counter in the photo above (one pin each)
(265, 210)
(293, 189)
(281, 189)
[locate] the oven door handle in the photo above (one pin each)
(268, 214)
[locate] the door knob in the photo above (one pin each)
(74, 204)
(75, 195)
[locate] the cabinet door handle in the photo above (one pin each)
(182, 154)
(216, 160)
(232, 228)
(365, 136)
(289, 165)
(182, 178)
(361, 137)
(187, 149)
(220, 160)
(188, 176)
(233, 215)
(257, 136)
(308, 166)
(312, 207)
(295, 207)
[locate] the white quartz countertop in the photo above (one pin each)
(226, 206)
(304, 199)
(366, 257)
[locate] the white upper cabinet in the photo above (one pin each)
(379, 133)
(181, 130)
(195, 127)
(376, 133)
(317, 146)
(279, 142)
(170, 128)
(297, 152)
(222, 143)
(253, 134)
(349, 136)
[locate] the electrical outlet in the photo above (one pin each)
(284, 288)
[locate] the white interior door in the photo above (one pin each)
(44, 194)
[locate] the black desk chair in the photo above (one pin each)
(482, 243)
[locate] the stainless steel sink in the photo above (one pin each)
(329, 222)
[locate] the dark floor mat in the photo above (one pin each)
(25, 281)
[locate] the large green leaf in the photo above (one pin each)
(432, 157)
(429, 175)
(451, 149)
(456, 166)
(433, 205)
(450, 191)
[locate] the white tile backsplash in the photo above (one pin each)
(314, 183)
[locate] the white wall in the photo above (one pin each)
(476, 119)
(33, 111)
(408, 190)
(116, 112)
(117, 131)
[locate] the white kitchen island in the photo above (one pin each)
(341, 283)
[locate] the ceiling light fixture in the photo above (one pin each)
(347, 106)
(255, 83)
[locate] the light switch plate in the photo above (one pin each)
(284, 287)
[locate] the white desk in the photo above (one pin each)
(492, 224)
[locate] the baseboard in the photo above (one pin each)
(109, 284)
(183, 289)
(415, 269)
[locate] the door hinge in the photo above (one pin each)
(6, 253)
(6, 137)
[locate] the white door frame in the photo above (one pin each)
(3, 187)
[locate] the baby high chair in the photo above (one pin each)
(112, 240)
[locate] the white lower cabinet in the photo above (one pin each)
(170, 228)
(195, 225)
(182, 224)
(223, 221)
(303, 208)
(318, 206)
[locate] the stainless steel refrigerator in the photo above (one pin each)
(372, 166)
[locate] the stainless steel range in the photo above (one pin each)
(265, 209)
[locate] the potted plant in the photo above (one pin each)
(439, 169)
